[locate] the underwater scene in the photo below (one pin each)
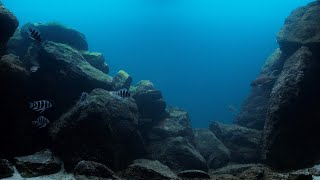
(160, 90)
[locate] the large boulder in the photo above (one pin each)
(8, 25)
(254, 109)
(293, 118)
(91, 168)
(211, 148)
(176, 124)
(244, 144)
(122, 80)
(103, 129)
(301, 28)
(58, 33)
(144, 169)
(177, 153)
(40, 163)
(149, 100)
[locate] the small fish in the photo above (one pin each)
(34, 34)
(83, 98)
(41, 122)
(34, 69)
(41, 105)
(123, 93)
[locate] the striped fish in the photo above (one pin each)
(123, 93)
(41, 122)
(34, 34)
(41, 105)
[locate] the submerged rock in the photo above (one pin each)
(143, 169)
(177, 153)
(6, 169)
(59, 33)
(301, 28)
(8, 25)
(91, 168)
(211, 148)
(150, 101)
(293, 119)
(102, 130)
(122, 80)
(40, 163)
(193, 174)
(96, 60)
(243, 143)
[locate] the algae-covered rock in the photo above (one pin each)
(122, 80)
(103, 130)
(40, 163)
(96, 60)
(301, 28)
(144, 169)
(8, 25)
(59, 33)
(211, 148)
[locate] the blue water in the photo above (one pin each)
(202, 54)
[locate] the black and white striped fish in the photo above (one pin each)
(41, 122)
(34, 34)
(123, 93)
(41, 105)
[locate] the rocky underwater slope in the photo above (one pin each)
(107, 137)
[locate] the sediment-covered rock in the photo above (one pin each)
(211, 148)
(103, 129)
(40, 163)
(301, 28)
(91, 168)
(293, 119)
(59, 33)
(6, 168)
(122, 80)
(8, 25)
(178, 154)
(244, 144)
(143, 169)
(150, 101)
(96, 60)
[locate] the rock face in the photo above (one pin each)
(6, 169)
(178, 154)
(122, 80)
(301, 29)
(91, 168)
(143, 169)
(243, 143)
(8, 24)
(211, 148)
(150, 101)
(293, 108)
(103, 130)
(293, 117)
(41, 163)
(60, 34)
(194, 174)
(254, 109)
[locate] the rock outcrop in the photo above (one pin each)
(211, 148)
(104, 129)
(244, 144)
(293, 117)
(122, 80)
(96, 60)
(8, 25)
(93, 169)
(40, 163)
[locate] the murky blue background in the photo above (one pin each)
(202, 54)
